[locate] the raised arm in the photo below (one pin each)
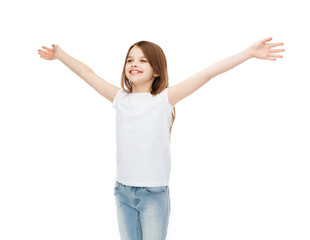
(104, 88)
(260, 49)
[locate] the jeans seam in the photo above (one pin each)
(138, 227)
(168, 198)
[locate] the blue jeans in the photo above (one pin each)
(142, 212)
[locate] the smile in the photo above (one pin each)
(134, 72)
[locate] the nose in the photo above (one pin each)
(133, 64)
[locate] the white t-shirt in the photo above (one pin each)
(142, 138)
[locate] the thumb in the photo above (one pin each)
(267, 39)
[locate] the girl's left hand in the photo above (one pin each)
(264, 50)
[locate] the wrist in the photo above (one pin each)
(248, 53)
(58, 53)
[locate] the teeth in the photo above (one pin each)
(135, 71)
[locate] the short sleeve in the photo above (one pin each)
(116, 98)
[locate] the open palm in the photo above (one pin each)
(264, 50)
(49, 53)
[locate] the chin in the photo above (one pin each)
(134, 80)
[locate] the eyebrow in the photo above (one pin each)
(132, 57)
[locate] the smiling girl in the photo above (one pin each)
(145, 112)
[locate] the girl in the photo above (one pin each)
(144, 116)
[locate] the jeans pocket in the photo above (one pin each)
(117, 185)
(156, 190)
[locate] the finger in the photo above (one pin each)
(267, 39)
(44, 57)
(275, 44)
(275, 55)
(277, 50)
(46, 48)
(43, 52)
(271, 58)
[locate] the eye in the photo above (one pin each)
(143, 60)
(128, 60)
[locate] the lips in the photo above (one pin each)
(135, 71)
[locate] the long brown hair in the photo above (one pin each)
(157, 59)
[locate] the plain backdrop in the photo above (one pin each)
(239, 144)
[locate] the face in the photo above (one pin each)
(137, 61)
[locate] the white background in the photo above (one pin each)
(240, 144)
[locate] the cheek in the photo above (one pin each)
(149, 71)
(127, 74)
(127, 71)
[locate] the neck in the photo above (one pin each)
(141, 89)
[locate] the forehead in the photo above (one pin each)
(136, 52)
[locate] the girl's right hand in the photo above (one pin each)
(49, 53)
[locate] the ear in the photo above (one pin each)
(156, 75)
